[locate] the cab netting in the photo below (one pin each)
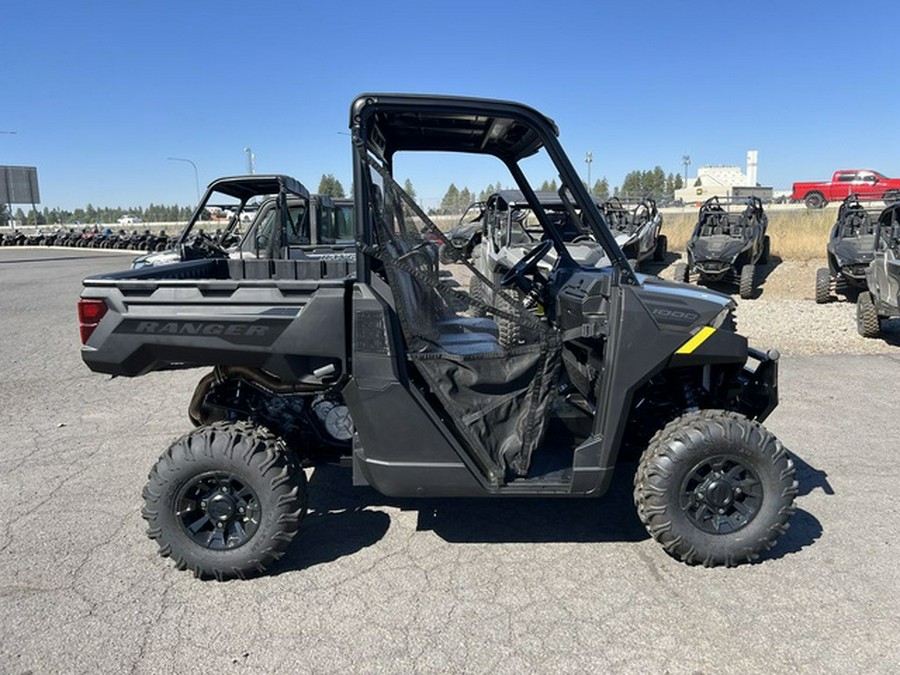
(492, 367)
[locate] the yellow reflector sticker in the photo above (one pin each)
(692, 344)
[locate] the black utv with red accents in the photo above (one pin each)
(391, 367)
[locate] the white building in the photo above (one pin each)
(721, 181)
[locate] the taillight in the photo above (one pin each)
(90, 312)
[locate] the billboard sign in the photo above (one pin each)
(19, 185)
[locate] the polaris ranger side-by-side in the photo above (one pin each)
(249, 207)
(388, 367)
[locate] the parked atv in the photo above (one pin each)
(881, 300)
(727, 244)
(392, 370)
(851, 247)
(636, 226)
(465, 235)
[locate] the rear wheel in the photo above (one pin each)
(814, 200)
(891, 196)
(867, 322)
(225, 500)
(681, 272)
(715, 488)
(823, 285)
(662, 248)
(748, 281)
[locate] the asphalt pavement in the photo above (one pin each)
(374, 584)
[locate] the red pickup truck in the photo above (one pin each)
(863, 182)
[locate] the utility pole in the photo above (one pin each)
(686, 160)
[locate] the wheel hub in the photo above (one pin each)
(218, 510)
(221, 507)
(721, 495)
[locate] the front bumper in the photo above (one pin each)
(759, 380)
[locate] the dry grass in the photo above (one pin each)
(796, 234)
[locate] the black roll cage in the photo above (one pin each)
(385, 124)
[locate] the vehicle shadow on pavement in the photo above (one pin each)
(528, 520)
(343, 520)
(805, 529)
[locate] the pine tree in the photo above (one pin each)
(450, 202)
(330, 186)
(600, 190)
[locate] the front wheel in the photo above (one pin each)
(662, 248)
(715, 488)
(823, 285)
(681, 272)
(225, 500)
(748, 281)
(867, 322)
(766, 250)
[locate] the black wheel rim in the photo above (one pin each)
(721, 495)
(218, 511)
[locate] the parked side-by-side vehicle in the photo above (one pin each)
(389, 367)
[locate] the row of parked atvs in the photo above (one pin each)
(864, 259)
(91, 238)
(729, 239)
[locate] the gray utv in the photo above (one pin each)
(386, 367)
(236, 211)
(465, 235)
(636, 226)
(727, 243)
(881, 300)
(851, 247)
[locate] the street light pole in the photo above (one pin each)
(588, 159)
(251, 159)
(196, 175)
(686, 160)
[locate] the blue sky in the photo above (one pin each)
(100, 93)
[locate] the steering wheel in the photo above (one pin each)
(527, 265)
(200, 242)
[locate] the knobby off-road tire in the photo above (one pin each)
(823, 285)
(867, 322)
(766, 251)
(225, 500)
(477, 292)
(510, 332)
(662, 248)
(747, 285)
(715, 488)
(681, 272)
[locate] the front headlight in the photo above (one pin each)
(724, 319)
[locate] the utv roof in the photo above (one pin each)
(436, 123)
(245, 187)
